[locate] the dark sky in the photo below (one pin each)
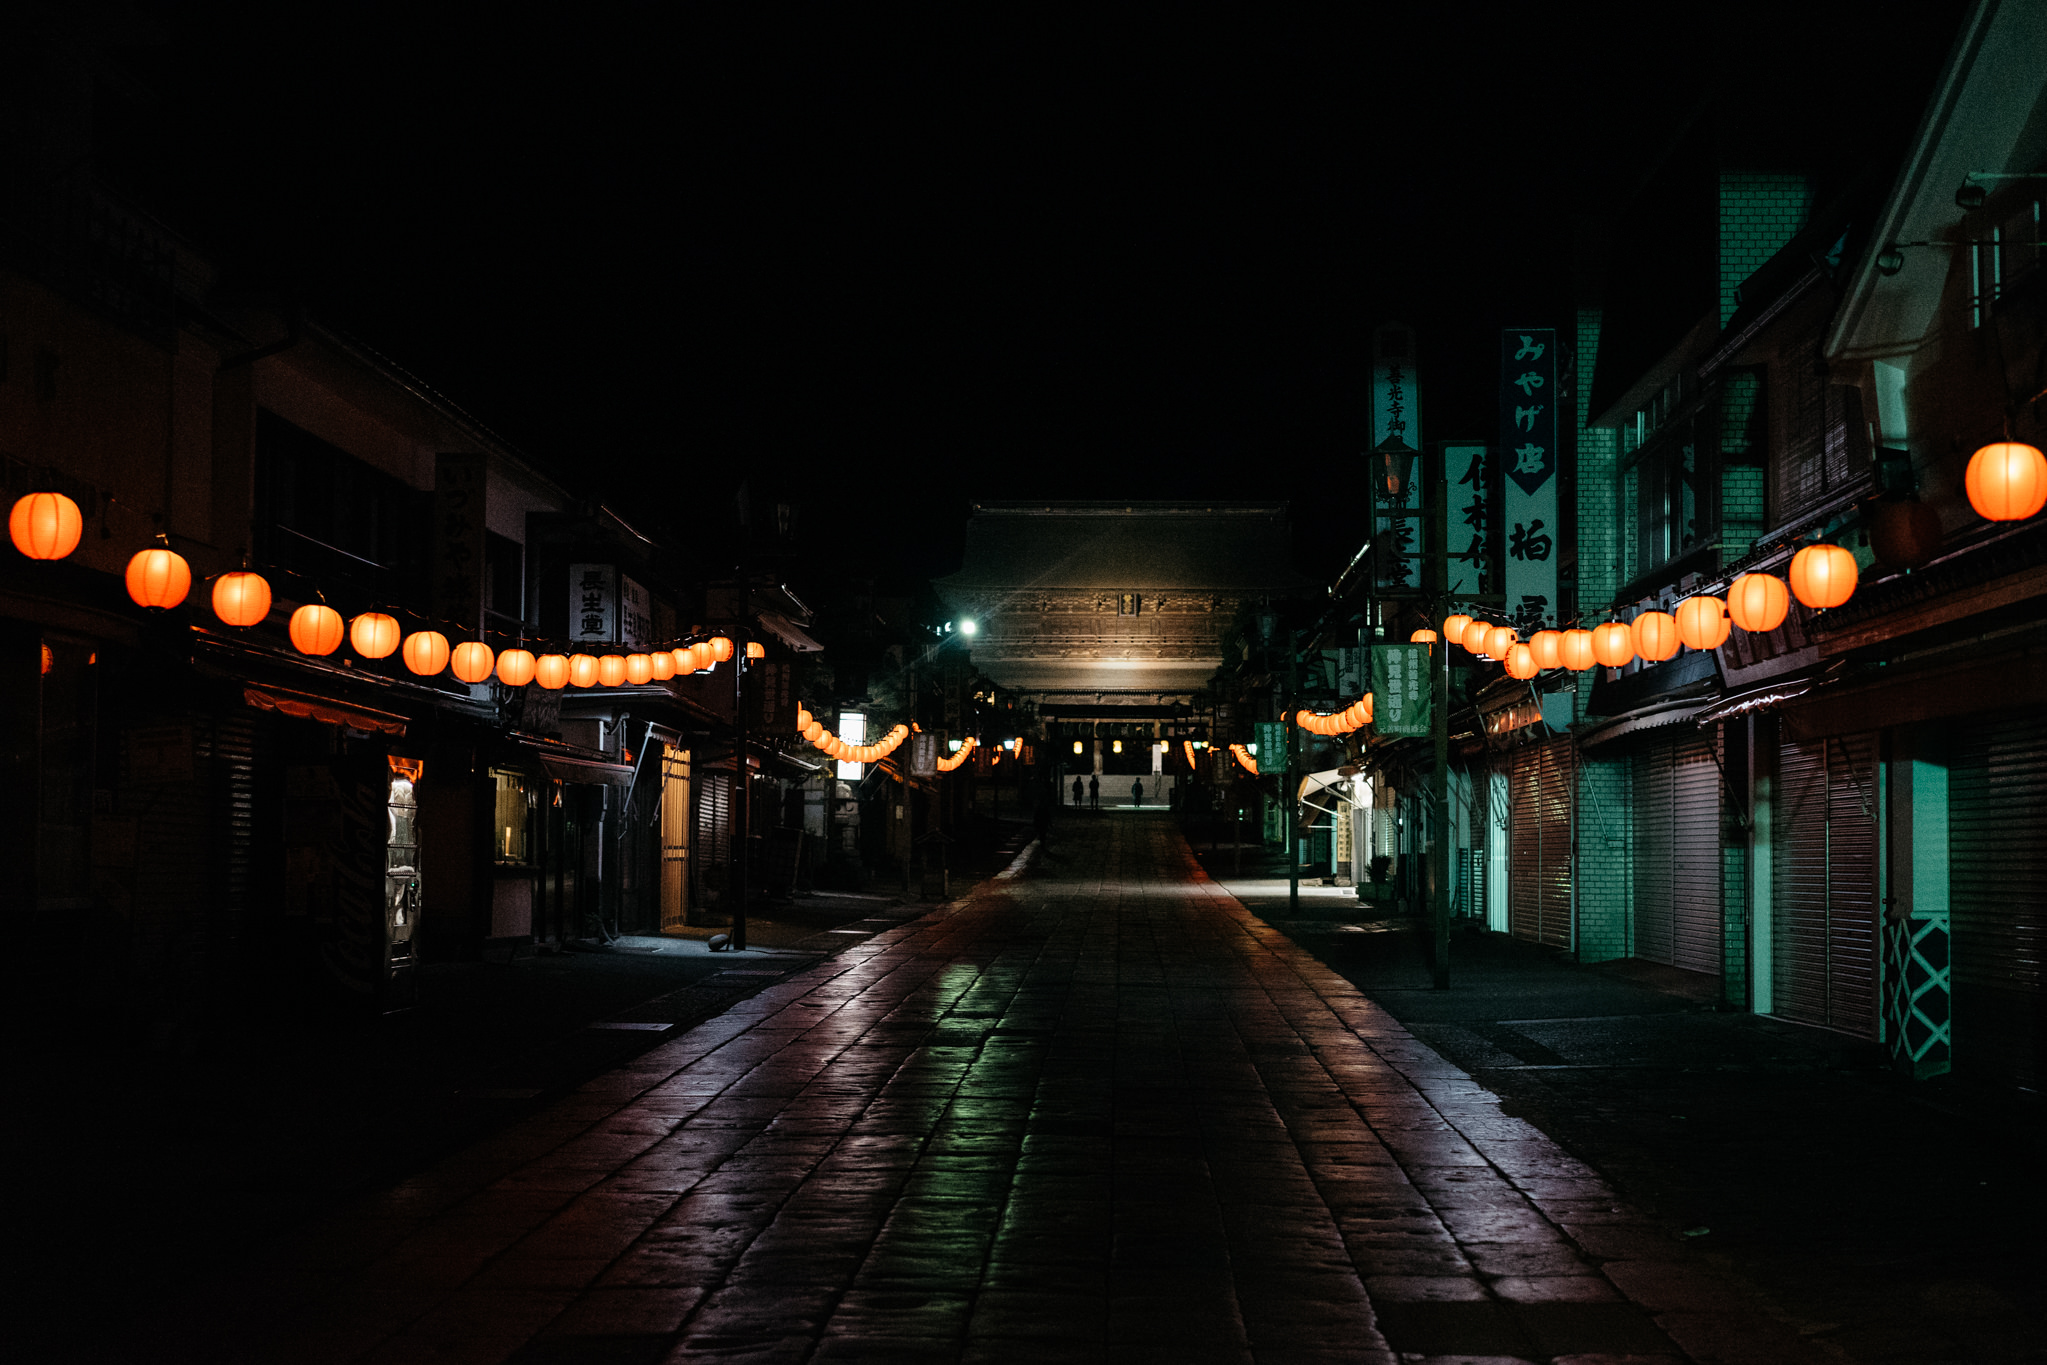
(882, 264)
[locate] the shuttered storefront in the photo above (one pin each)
(1823, 878)
(1539, 844)
(1997, 889)
(712, 853)
(1677, 854)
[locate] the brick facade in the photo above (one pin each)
(1759, 212)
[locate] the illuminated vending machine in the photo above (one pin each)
(401, 872)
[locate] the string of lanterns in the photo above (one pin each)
(1243, 756)
(967, 746)
(1353, 717)
(813, 729)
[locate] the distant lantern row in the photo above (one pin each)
(812, 729)
(1353, 717)
(1821, 576)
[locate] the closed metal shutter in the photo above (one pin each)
(1997, 886)
(713, 851)
(1655, 934)
(1695, 855)
(1539, 845)
(1823, 877)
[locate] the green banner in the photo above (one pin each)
(1271, 737)
(1400, 689)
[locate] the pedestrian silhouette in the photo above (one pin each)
(1094, 792)
(1077, 797)
(1137, 792)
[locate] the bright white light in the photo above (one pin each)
(1009, 744)
(852, 729)
(968, 627)
(953, 745)
(1251, 749)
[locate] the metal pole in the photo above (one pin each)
(743, 796)
(1286, 779)
(1439, 718)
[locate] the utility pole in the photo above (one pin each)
(1438, 584)
(742, 795)
(1286, 777)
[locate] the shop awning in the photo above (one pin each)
(569, 765)
(307, 706)
(1333, 782)
(785, 630)
(1759, 699)
(1645, 718)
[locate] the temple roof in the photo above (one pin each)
(1144, 546)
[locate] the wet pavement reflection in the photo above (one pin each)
(1096, 1111)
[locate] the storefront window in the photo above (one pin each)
(401, 856)
(513, 827)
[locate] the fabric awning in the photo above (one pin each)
(307, 706)
(1645, 718)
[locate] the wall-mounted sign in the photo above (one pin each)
(593, 603)
(635, 614)
(1467, 472)
(1400, 689)
(459, 482)
(1528, 469)
(1396, 416)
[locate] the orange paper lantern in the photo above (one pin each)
(1474, 635)
(1758, 603)
(702, 655)
(1702, 622)
(516, 667)
(756, 650)
(1655, 636)
(1576, 650)
(582, 670)
(2007, 481)
(241, 598)
(1422, 637)
(1521, 662)
(158, 578)
(1498, 641)
(685, 661)
(317, 629)
(661, 664)
(472, 661)
(1548, 648)
(611, 669)
(1823, 576)
(551, 671)
(721, 647)
(1612, 645)
(45, 525)
(374, 635)
(1453, 627)
(426, 652)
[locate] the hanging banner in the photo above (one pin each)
(1400, 689)
(1270, 740)
(1467, 472)
(1396, 415)
(1528, 466)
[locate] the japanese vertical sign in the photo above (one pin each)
(1396, 415)
(635, 615)
(1400, 689)
(1528, 466)
(593, 603)
(458, 539)
(1272, 745)
(1467, 471)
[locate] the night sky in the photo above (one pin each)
(880, 264)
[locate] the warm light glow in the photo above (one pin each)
(611, 669)
(701, 654)
(661, 665)
(1823, 576)
(1474, 636)
(516, 667)
(317, 629)
(374, 635)
(2007, 481)
(638, 669)
(551, 671)
(685, 661)
(1076, 746)
(1115, 746)
(1547, 648)
(721, 648)
(241, 598)
(471, 661)
(1758, 603)
(1576, 650)
(1453, 627)
(1702, 622)
(45, 525)
(426, 652)
(1498, 641)
(1422, 637)
(1654, 634)
(158, 578)
(803, 719)
(756, 650)
(1612, 645)
(582, 670)
(1520, 662)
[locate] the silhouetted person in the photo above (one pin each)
(1078, 796)
(1137, 792)
(1094, 793)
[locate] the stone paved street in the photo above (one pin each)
(1095, 1111)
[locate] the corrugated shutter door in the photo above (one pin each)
(1556, 843)
(1539, 845)
(1524, 842)
(1695, 855)
(1823, 873)
(1997, 885)
(714, 829)
(1655, 934)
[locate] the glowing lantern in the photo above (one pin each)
(1453, 627)
(2007, 481)
(700, 654)
(45, 525)
(582, 670)
(661, 664)
(1612, 645)
(1474, 635)
(1904, 535)
(1655, 636)
(1576, 650)
(813, 730)
(1702, 622)
(551, 671)
(1521, 662)
(426, 652)
(158, 578)
(374, 635)
(1758, 603)
(1823, 576)
(756, 650)
(1498, 641)
(721, 647)
(611, 669)
(685, 661)
(241, 598)
(1422, 637)
(1548, 648)
(803, 718)
(472, 661)
(516, 667)
(317, 629)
